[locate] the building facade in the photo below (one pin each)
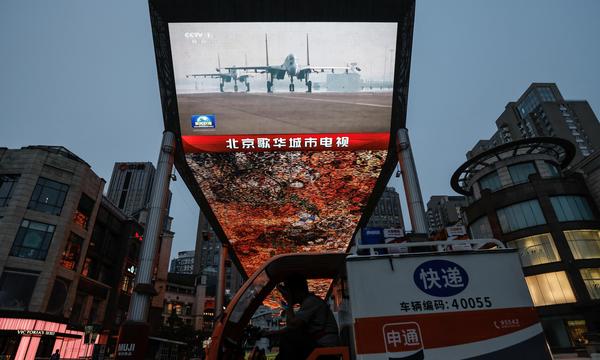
(129, 190)
(543, 112)
(180, 300)
(523, 194)
(183, 263)
(444, 211)
(207, 254)
(65, 253)
(388, 212)
(130, 185)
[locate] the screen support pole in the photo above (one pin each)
(134, 333)
(220, 295)
(144, 290)
(412, 189)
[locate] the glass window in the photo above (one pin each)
(571, 208)
(535, 250)
(70, 256)
(58, 297)
(490, 181)
(481, 229)
(48, 196)
(521, 215)
(250, 293)
(127, 283)
(546, 94)
(550, 288)
(16, 289)
(33, 240)
(577, 330)
(7, 184)
(552, 169)
(519, 173)
(591, 278)
(584, 244)
(84, 211)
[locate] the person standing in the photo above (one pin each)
(56, 355)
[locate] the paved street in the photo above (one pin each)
(288, 113)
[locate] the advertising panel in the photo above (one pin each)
(285, 154)
(474, 305)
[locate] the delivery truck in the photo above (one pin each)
(432, 300)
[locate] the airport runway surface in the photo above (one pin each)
(288, 113)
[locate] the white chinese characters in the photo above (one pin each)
(450, 278)
(280, 143)
(403, 337)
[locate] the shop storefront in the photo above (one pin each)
(28, 339)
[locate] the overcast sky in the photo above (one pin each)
(82, 74)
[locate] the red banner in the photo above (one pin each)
(285, 142)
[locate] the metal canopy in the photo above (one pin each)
(560, 149)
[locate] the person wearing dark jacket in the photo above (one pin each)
(56, 355)
(313, 325)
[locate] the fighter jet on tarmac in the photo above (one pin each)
(230, 74)
(291, 68)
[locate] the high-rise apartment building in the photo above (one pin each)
(207, 253)
(183, 263)
(130, 185)
(444, 210)
(130, 190)
(542, 111)
(388, 212)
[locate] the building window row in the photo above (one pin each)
(519, 173)
(529, 213)
(535, 250)
(520, 215)
(550, 289)
(571, 208)
(540, 249)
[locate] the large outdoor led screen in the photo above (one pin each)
(285, 127)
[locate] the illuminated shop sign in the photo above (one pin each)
(36, 332)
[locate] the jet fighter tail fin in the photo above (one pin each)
(267, 49)
(307, 54)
